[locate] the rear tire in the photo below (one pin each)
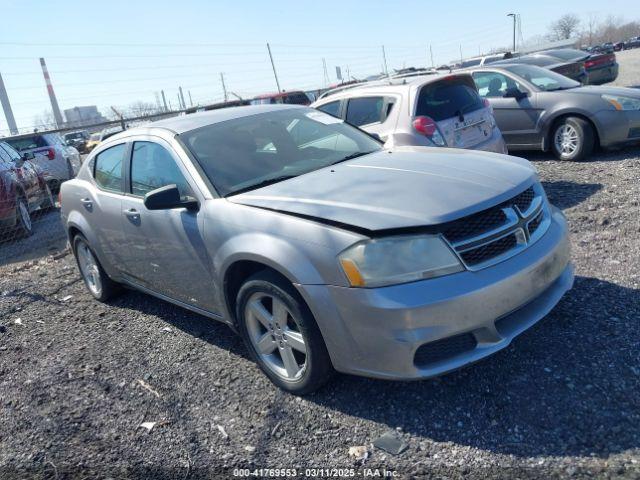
(572, 139)
(24, 224)
(281, 334)
(100, 286)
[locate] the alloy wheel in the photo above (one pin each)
(566, 140)
(275, 335)
(89, 268)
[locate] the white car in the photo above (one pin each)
(58, 161)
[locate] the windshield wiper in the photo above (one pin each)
(352, 156)
(263, 183)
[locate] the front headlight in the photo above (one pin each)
(393, 260)
(622, 103)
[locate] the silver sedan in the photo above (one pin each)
(322, 249)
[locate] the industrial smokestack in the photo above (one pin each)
(52, 96)
(6, 106)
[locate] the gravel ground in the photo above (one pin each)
(562, 401)
(78, 378)
(629, 61)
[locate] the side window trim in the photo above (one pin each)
(127, 145)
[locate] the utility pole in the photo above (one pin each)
(514, 15)
(384, 59)
(224, 87)
(326, 75)
(6, 106)
(190, 99)
(52, 96)
(180, 107)
(275, 74)
(431, 54)
(184, 105)
(119, 115)
(460, 54)
(164, 101)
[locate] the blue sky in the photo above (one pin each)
(117, 52)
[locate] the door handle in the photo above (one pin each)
(132, 213)
(86, 202)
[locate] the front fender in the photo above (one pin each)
(275, 252)
(548, 118)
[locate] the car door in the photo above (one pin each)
(517, 118)
(100, 203)
(164, 250)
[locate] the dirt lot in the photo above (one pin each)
(78, 378)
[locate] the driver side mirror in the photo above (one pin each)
(516, 93)
(167, 198)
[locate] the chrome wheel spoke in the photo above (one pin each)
(289, 361)
(295, 340)
(260, 313)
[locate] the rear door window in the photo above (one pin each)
(108, 168)
(448, 98)
(332, 108)
(364, 110)
(27, 143)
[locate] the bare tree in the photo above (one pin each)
(44, 121)
(142, 109)
(565, 27)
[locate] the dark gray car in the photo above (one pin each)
(537, 109)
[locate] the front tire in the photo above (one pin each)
(281, 334)
(572, 139)
(100, 286)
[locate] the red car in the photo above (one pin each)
(22, 190)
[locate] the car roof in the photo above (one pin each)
(186, 123)
(392, 85)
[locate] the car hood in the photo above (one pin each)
(403, 187)
(604, 90)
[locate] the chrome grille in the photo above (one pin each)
(495, 234)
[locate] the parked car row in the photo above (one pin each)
(57, 160)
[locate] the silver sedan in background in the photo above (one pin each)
(322, 249)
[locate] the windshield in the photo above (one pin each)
(249, 151)
(542, 78)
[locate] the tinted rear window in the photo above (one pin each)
(470, 63)
(27, 143)
(296, 99)
(448, 98)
